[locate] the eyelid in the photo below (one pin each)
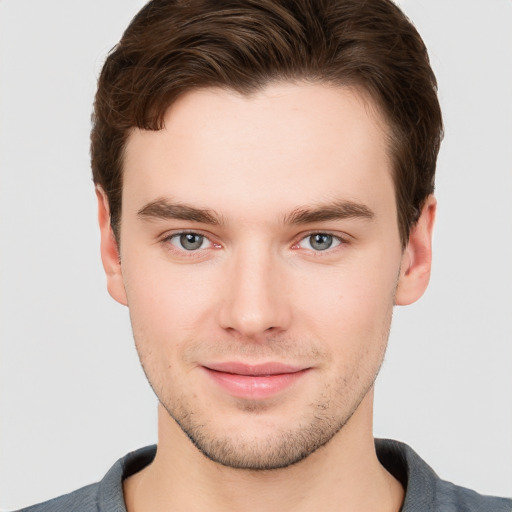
(174, 232)
(166, 237)
(342, 238)
(177, 237)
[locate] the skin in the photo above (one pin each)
(258, 290)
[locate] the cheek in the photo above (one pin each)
(167, 311)
(168, 303)
(352, 305)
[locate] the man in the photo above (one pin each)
(264, 176)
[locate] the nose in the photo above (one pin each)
(255, 296)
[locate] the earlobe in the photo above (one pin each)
(417, 257)
(110, 251)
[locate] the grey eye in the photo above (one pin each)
(188, 241)
(191, 241)
(320, 241)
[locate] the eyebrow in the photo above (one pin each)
(162, 209)
(330, 211)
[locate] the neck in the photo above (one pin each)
(345, 474)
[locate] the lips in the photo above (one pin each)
(254, 382)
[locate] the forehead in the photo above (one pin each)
(285, 145)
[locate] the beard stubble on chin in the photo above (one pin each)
(280, 447)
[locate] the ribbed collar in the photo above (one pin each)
(400, 460)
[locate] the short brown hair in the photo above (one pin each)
(174, 46)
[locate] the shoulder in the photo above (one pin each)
(453, 498)
(424, 490)
(83, 500)
(104, 496)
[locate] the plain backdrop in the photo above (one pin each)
(73, 399)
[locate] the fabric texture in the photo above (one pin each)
(425, 491)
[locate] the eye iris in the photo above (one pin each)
(190, 241)
(320, 241)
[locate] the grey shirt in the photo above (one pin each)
(425, 491)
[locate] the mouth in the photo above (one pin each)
(255, 382)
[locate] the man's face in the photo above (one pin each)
(260, 255)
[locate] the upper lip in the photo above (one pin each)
(255, 370)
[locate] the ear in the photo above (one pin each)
(417, 257)
(110, 251)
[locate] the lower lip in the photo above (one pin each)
(254, 387)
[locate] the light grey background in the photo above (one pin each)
(73, 398)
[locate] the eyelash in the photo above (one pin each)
(338, 238)
(166, 240)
